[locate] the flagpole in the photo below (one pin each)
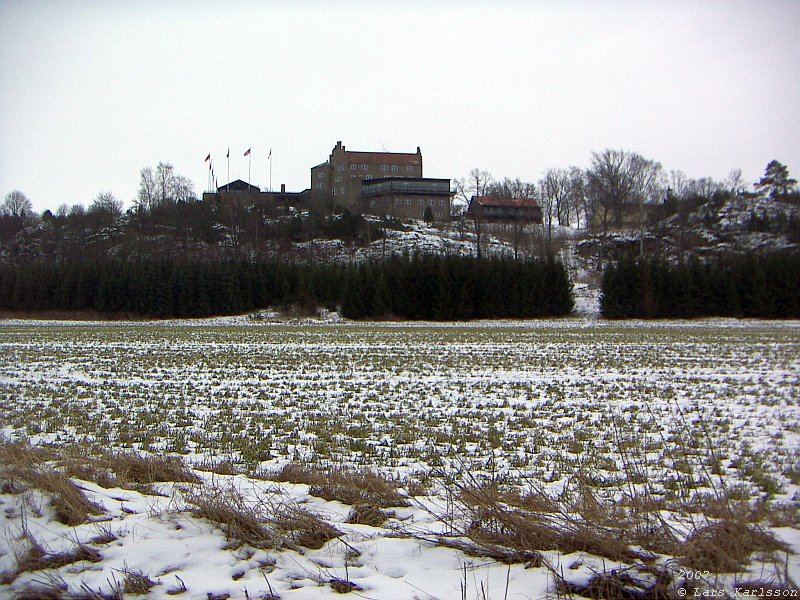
(229, 164)
(270, 169)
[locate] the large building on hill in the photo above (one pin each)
(379, 183)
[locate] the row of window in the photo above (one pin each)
(393, 168)
(407, 202)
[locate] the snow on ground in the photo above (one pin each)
(587, 300)
(539, 400)
(153, 536)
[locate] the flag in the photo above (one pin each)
(208, 158)
(270, 154)
(228, 155)
(247, 153)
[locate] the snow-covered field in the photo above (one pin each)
(677, 413)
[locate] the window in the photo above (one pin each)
(395, 168)
(321, 174)
(410, 168)
(367, 176)
(397, 201)
(364, 167)
(422, 201)
(384, 167)
(340, 168)
(342, 190)
(441, 202)
(334, 191)
(353, 167)
(372, 203)
(432, 202)
(408, 201)
(338, 180)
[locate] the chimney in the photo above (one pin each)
(283, 188)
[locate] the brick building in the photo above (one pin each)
(360, 182)
(407, 197)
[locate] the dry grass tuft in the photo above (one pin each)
(137, 583)
(240, 522)
(341, 586)
(20, 454)
(368, 514)
(104, 534)
(34, 558)
(548, 525)
(52, 588)
(70, 503)
(136, 468)
(301, 528)
(345, 486)
(221, 467)
(269, 524)
(726, 546)
(622, 585)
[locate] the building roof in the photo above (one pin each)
(238, 186)
(383, 158)
(501, 201)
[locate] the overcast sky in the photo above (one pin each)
(91, 92)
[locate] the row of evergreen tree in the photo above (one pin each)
(757, 286)
(419, 287)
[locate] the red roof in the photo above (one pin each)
(506, 202)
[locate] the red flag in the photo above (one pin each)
(208, 158)
(247, 153)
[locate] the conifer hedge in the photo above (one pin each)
(757, 286)
(420, 287)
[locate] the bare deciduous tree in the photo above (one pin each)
(17, 204)
(648, 188)
(146, 197)
(578, 202)
(106, 203)
(475, 184)
(554, 193)
(618, 183)
(162, 186)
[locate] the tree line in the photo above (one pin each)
(420, 287)
(619, 190)
(753, 286)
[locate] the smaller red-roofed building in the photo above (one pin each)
(497, 209)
